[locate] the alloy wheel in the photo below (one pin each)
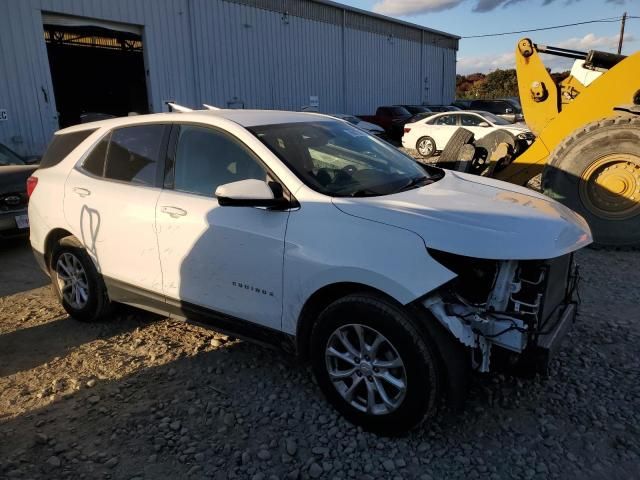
(366, 369)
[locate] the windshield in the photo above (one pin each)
(8, 157)
(339, 160)
(494, 119)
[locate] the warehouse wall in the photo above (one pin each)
(229, 53)
(167, 46)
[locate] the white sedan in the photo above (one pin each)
(431, 134)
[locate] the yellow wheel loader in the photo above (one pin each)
(587, 144)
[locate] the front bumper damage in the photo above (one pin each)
(528, 310)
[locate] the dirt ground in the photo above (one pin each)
(141, 396)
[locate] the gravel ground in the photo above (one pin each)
(142, 396)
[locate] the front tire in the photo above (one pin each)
(373, 365)
(77, 283)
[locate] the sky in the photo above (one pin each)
(477, 17)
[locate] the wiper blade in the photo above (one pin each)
(365, 192)
(415, 182)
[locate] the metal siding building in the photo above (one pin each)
(273, 54)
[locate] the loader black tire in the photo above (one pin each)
(609, 148)
(451, 152)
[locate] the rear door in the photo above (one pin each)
(441, 129)
(110, 202)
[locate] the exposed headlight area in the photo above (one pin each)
(505, 303)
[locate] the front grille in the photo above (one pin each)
(13, 201)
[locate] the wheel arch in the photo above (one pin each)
(321, 299)
(53, 237)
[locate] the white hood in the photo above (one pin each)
(478, 217)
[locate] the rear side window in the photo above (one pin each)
(133, 154)
(61, 146)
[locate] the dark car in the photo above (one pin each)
(391, 118)
(462, 104)
(503, 108)
(443, 108)
(415, 109)
(14, 171)
(420, 116)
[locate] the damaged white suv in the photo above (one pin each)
(395, 280)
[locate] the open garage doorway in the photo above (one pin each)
(97, 72)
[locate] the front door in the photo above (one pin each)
(226, 259)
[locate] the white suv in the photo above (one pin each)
(394, 279)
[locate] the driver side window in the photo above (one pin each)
(206, 158)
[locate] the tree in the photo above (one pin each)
(500, 84)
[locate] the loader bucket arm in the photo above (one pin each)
(538, 91)
(551, 120)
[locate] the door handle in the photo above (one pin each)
(173, 212)
(83, 192)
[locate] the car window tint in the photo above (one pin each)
(206, 159)
(94, 162)
(445, 120)
(470, 121)
(133, 154)
(62, 145)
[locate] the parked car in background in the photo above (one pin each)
(14, 172)
(443, 108)
(420, 116)
(368, 127)
(461, 104)
(395, 280)
(391, 118)
(432, 134)
(503, 108)
(415, 109)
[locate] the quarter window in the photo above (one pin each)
(133, 154)
(206, 159)
(94, 163)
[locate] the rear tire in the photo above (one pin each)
(451, 152)
(596, 172)
(426, 147)
(77, 283)
(410, 394)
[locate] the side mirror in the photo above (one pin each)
(251, 193)
(508, 110)
(484, 124)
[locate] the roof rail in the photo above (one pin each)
(174, 107)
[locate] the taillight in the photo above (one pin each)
(407, 130)
(31, 185)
